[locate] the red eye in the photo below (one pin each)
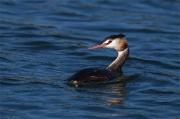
(109, 42)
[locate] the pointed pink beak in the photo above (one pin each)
(97, 46)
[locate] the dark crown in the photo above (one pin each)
(115, 36)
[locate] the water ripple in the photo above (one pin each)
(43, 42)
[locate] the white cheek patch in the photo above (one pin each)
(112, 44)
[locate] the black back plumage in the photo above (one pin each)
(91, 75)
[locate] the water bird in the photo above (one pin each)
(90, 76)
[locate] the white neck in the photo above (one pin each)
(119, 61)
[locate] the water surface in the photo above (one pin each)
(43, 42)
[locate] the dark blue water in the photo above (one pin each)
(43, 42)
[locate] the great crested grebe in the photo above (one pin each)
(95, 75)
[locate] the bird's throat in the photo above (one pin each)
(119, 61)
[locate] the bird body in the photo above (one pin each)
(95, 75)
(91, 75)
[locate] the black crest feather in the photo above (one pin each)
(115, 36)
